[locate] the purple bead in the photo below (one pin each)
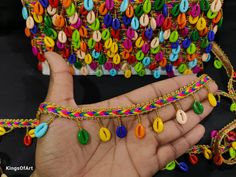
(35, 51)
(145, 48)
(127, 43)
(196, 70)
(130, 33)
(77, 24)
(214, 133)
(184, 32)
(160, 20)
(108, 65)
(117, 67)
(93, 65)
(159, 56)
(60, 45)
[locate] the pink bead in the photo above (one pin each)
(145, 48)
(93, 65)
(60, 45)
(108, 66)
(214, 133)
(35, 51)
(159, 56)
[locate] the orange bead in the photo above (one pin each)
(102, 9)
(125, 54)
(83, 46)
(27, 32)
(38, 8)
(66, 3)
(140, 131)
(163, 62)
(181, 19)
(58, 20)
(83, 32)
(129, 11)
(191, 57)
(217, 18)
(203, 32)
(71, 70)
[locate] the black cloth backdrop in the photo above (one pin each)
(23, 88)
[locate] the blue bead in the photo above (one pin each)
(209, 48)
(186, 43)
(126, 20)
(156, 74)
(169, 68)
(183, 166)
(113, 72)
(41, 130)
(192, 64)
(184, 5)
(176, 50)
(175, 45)
(173, 57)
(165, 10)
(161, 36)
(121, 131)
(95, 54)
(146, 61)
(116, 24)
(44, 3)
(34, 30)
(135, 23)
(72, 59)
(25, 13)
(148, 33)
(124, 5)
(211, 36)
(88, 4)
(108, 20)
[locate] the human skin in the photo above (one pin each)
(58, 153)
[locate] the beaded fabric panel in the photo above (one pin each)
(124, 36)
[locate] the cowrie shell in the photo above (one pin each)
(155, 42)
(181, 117)
(215, 29)
(153, 23)
(84, 71)
(74, 18)
(97, 36)
(166, 34)
(80, 54)
(216, 6)
(30, 22)
(91, 17)
(204, 56)
(135, 36)
(51, 11)
(144, 20)
(62, 37)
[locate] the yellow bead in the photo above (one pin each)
(114, 47)
(158, 125)
(207, 153)
(193, 20)
(187, 72)
(139, 42)
(104, 134)
(116, 59)
(201, 24)
(108, 43)
(49, 42)
(234, 145)
(127, 73)
(212, 99)
(88, 59)
(37, 18)
(31, 133)
(110, 54)
(2, 131)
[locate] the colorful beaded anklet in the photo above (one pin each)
(134, 110)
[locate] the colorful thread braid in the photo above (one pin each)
(48, 108)
(124, 36)
(19, 123)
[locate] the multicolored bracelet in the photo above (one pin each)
(124, 36)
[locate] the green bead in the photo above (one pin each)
(204, 43)
(211, 14)
(83, 136)
(147, 6)
(155, 50)
(54, 34)
(175, 11)
(158, 4)
(139, 10)
(102, 59)
(95, 25)
(195, 35)
(139, 55)
(174, 36)
(182, 67)
(204, 4)
(99, 72)
(191, 49)
(138, 67)
(170, 166)
(220, 22)
(233, 107)
(106, 34)
(75, 36)
(78, 64)
(91, 43)
(218, 64)
(198, 107)
(70, 11)
(47, 21)
(76, 45)
(232, 152)
(142, 72)
(47, 31)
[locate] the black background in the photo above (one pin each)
(22, 88)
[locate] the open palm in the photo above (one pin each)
(58, 153)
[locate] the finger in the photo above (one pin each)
(61, 82)
(172, 151)
(173, 130)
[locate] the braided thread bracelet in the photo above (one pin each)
(79, 115)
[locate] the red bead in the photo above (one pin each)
(54, 3)
(41, 57)
(167, 24)
(152, 66)
(218, 159)
(193, 159)
(83, 11)
(115, 34)
(98, 47)
(131, 59)
(66, 53)
(68, 31)
(40, 67)
(27, 140)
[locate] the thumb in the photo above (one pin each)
(60, 89)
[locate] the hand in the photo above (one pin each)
(59, 154)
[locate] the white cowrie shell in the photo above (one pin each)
(51, 11)
(215, 29)
(30, 22)
(216, 6)
(74, 18)
(84, 71)
(91, 17)
(204, 56)
(97, 36)
(166, 34)
(62, 37)
(124, 66)
(80, 54)
(144, 20)
(181, 117)
(135, 36)
(153, 23)
(155, 42)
